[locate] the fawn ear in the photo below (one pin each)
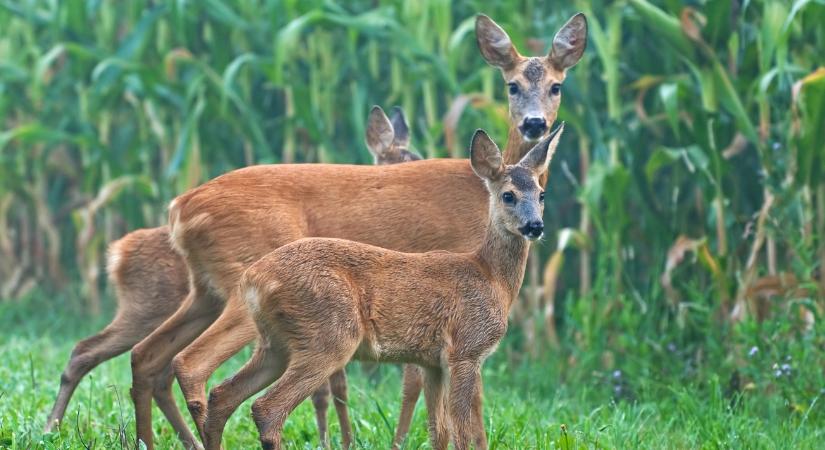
(569, 43)
(379, 134)
(495, 45)
(400, 128)
(538, 158)
(485, 158)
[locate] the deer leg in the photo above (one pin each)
(338, 384)
(162, 393)
(88, 354)
(320, 400)
(465, 405)
(266, 365)
(193, 366)
(438, 417)
(153, 354)
(305, 373)
(413, 381)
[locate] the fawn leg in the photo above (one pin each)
(232, 330)
(465, 405)
(338, 384)
(115, 339)
(266, 365)
(305, 373)
(153, 354)
(413, 381)
(438, 417)
(320, 400)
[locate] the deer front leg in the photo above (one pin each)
(413, 381)
(153, 354)
(195, 364)
(437, 414)
(465, 405)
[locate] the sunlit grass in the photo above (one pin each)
(662, 401)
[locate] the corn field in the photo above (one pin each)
(689, 189)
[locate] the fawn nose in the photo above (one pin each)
(533, 230)
(534, 127)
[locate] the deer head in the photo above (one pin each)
(388, 139)
(517, 198)
(534, 83)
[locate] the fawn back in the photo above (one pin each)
(318, 302)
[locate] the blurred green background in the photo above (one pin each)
(686, 204)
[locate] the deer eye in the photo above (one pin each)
(508, 198)
(555, 89)
(513, 87)
(541, 197)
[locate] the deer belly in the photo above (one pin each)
(395, 352)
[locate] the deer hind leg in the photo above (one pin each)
(413, 382)
(305, 373)
(465, 405)
(338, 385)
(233, 330)
(115, 339)
(437, 414)
(153, 354)
(320, 400)
(162, 393)
(265, 366)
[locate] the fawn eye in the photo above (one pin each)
(555, 88)
(541, 197)
(508, 198)
(513, 88)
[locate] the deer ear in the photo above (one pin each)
(569, 43)
(485, 158)
(379, 134)
(400, 128)
(495, 45)
(539, 157)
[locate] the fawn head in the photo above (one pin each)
(534, 83)
(389, 139)
(516, 195)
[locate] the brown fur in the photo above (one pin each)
(318, 302)
(151, 281)
(227, 224)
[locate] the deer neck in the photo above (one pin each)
(504, 255)
(517, 147)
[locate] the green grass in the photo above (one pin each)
(648, 400)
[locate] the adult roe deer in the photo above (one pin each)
(215, 224)
(318, 302)
(151, 281)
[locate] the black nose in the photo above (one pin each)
(533, 229)
(535, 126)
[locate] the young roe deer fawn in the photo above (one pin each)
(318, 302)
(151, 281)
(228, 223)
